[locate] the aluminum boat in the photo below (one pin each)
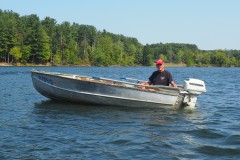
(103, 91)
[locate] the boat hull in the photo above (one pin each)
(72, 88)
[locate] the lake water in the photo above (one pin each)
(33, 127)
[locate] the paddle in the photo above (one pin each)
(132, 79)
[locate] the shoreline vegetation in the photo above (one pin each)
(3, 64)
(29, 41)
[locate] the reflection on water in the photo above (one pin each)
(131, 128)
(148, 117)
(65, 106)
(156, 115)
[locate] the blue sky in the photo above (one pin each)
(210, 24)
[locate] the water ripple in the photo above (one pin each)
(219, 151)
(233, 139)
(207, 133)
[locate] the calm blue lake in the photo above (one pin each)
(33, 127)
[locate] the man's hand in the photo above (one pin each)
(173, 84)
(143, 83)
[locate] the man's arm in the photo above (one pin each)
(149, 82)
(173, 84)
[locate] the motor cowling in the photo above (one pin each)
(194, 87)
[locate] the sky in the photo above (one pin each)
(210, 24)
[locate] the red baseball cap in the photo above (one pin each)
(159, 61)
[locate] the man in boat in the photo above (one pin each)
(161, 76)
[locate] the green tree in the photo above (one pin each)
(148, 55)
(219, 58)
(179, 56)
(26, 52)
(15, 52)
(36, 38)
(188, 58)
(49, 25)
(169, 56)
(84, 50)
(8, 34)
(44, 52)
(105, 51)
(118, 49)
(64, 37)
(206, 58)
(163, 57)
(99, 58)
(233, 61)
(138, 56)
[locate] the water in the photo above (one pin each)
(33, 127)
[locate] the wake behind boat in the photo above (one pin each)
(97, 90)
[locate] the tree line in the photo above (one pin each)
(190, 55)
(27, 39)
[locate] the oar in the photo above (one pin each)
(132, 79)
(113, 80)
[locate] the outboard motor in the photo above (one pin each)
(193, 87)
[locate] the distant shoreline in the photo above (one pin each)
(3, 64)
